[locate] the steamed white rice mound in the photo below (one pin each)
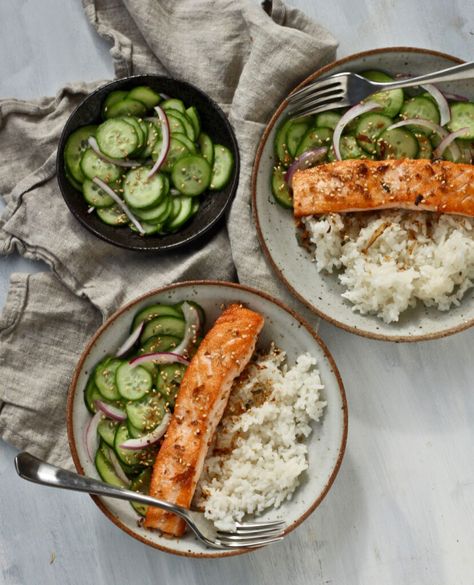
(388, 260)
(259, 454)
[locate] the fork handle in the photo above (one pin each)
(33, 469)
(463, 71)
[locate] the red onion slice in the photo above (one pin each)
(193, 325)
(165, 141)
(305, 160)
(159, 358)
(111, 411)
(354, 112)
(130, 341)
(117, 467)
(449, 140)
(442, 102)
(127, 164)
(91, 436)
(420, 122)
(150, 439)
(120, 203)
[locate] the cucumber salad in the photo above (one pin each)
(131, 393)
(147, 164)
(387, 125)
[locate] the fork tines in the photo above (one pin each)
(320, 95)
(252, 534)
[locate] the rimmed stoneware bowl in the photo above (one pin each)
(321, 292)
(213, 205)
(282, 326)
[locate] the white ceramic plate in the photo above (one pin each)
(321, 292)
(289, 332)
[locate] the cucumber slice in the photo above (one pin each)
(111, 99)
(295, 134)
(125, 107)
(173, 104)
(280, 188)
(117, 138)
(153, 214)
(163, 325)
(193, 115)
(185, 123)
(160, 343)
(133, 382)
(113, 215)
(315, 138)
(176, 125)
(187, 143)
(141, 484)
(91, 394)
(137, 126)
(397, 143)
(146, 414)
(195, 205)
(425, 150)
(146, 95)
(153, 311)
(327, 120)
(281, 145)
(93, 166)
(462, 116)
(349, 149)
(148, 227)
(184, 214)
(391, 100)
(106, 470)
(143, 458)
(191, 174)
(176, 151)
(72, 180)
(96, 196)
(141, 192)
(106, 429)
(420, 107)
(369, 128)
(153, 134)
(75, 146)
(207, 147)
(104, 378)
(222, 167)
(169, 380)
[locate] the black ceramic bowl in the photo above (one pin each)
(213, 204)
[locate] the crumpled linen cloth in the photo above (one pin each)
(245, 56)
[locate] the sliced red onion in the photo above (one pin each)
(442, 102)
(355, 111)
(120, 203)
(128, 164)
(159, 358)
(193, 325)
(164, 96)
(130, 341)
(449, 140)
(150, 439)
(91, 436)
(118, 468)
(111, 411)
(165, 141)
(420, 122)
(455, 97)
(305, 160)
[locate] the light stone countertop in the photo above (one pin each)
(402, 508)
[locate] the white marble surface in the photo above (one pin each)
(402, 507)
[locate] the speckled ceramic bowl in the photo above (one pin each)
(282, 326)
(321, 292)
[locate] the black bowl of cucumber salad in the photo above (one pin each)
(148, 163)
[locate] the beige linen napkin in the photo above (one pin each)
(246, 58)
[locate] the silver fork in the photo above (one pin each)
(248, 535)
(346, 89)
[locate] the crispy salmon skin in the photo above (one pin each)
(364, 185)
(222, 355)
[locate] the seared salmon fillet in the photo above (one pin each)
(222, 355)
(363, 185)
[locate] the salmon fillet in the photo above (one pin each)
(222, 355)
(362, 185)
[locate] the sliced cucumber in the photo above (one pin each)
(169, 380)
(107, 471)
(104, 378)
(146, 95)
(153, 311)
(106, 429)
(327, 120)
(163, 325)
(111, 99)
(420, 107)
(173, 104)
(280, 188)
(153, 134)
(125, 107)
(369, 128)
(176, 125)
(154, 214)
(140, 129)
(191, 174)
(93, 166)
(295, 134)
(142, 458)
(391, 100)
(349, 148)
(176, 151)
(147, 414)
(142, 192)
(184, 214)
(185, 123)
(133, 382)
(189, 144)
(397, 143)
(207, 147)
(193, 115)
(462, 116)
(315, 138)
(160, 343)
(76, 144)
(117, 138)
(96, 196)
(113, 215)
(425, 150)
(91, 394)
(281, 144)
(141, 484)
(222, 167)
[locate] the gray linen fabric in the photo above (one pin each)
(244, 58)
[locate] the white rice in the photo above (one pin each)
(259, 454)
(388, 260)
